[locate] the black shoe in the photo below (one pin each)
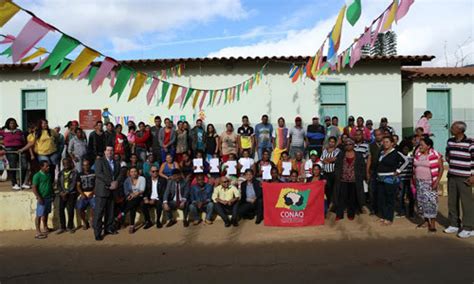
(186, 223)
(258, 221)
(60, 231)
(111, 232)
(227, 224)
(235, 223)
(171, 223)
(148, 225)
(99, 238)
(159, 225)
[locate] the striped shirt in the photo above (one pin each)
(407, 173)
(460, 157)
(362, 148)
(329, 167)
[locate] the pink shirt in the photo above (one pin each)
(422, 168)
(425, 124)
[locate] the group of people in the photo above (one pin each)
(161, 169)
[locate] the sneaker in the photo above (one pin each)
(16, 187)
(464, 234)
(25, 186)
(451, 230)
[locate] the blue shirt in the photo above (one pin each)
(264, 134)
(201, 195)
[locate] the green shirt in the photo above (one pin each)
(43, 184)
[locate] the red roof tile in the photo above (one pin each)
(431, 72)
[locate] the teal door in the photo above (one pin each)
(438, 102)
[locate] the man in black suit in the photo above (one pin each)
(251, 201)
(176, 197)
(153, 198)
(107, 171)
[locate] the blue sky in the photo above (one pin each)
(131, 29)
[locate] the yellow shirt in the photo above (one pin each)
(225, 194)
(31, 139)
(66, 179)
(46, 145)
(246, 142)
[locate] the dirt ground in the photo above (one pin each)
(359, 251)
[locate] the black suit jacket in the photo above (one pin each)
(105, 176)
(148, 191)
(257, 187)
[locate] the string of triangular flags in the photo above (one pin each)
(84, 67)
(333, 62)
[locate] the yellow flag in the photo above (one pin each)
(7, 11)
(196, 97)
(137, 85)
(82, 61)
(174, 91)
(336, 31)
(390, 16)
(40, 51)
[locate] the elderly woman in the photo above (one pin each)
(349, 181)
(428, 169)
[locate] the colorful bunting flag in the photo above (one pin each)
(84, 73)
(355, 54)
(220, 97)
(7, 11)
(164, 90)
(40, 63)
(85, 58)
(40, 51)
(375, 33)
(137, 85)
(353, 12)
(64, 46)
(62, 66)
(238, 92)
(181, 98)
(337, 29)
(204, 95)
(104, 70)
(174, 91)
(196, 97)
(121, 80)
(7, 39)
(211, 97)
(7, 52)
(113, 76)
(92, 74)
(30, 35)
(297, 75)
(390, 16)
(188, 96)
(403, 8)
(152, 91)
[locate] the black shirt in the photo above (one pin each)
(245, 131)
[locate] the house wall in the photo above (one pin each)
(373, 91)
(462, 99)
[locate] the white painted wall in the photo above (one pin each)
(374, 90)
(462, 99)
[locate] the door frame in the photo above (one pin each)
(23, 91)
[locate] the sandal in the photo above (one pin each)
(131, 230)
(40, 236)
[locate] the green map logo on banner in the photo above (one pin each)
(293, 199)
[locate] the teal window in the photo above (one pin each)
(333, 100)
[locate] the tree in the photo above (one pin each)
(385, 44)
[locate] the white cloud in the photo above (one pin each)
(125, 21)
(424, 30)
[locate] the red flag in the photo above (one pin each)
(293, 204)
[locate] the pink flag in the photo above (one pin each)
(152, 91)
(377, 30)
(84, 73)
(403, 8)
(180, 100)
(38, 66)
(7, 39)
(112, 78)
(107, 65)
(365, 38)
(203, 97)
(355, 54)
(30, 35)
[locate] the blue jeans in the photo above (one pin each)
(45, 208)
(195, 211)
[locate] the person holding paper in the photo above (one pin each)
(264, 166)
(251, 201)
(245, 162)
(284, 166)
(313, 160)
(198, 166)
(230, 169)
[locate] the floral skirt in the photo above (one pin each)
(427, 199)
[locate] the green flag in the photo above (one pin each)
(188, 96)
(7, 52)
(64, 46)
(353, 12)
(123, 76)
(211, 95)
(64, 64)
(92, 73)
(164, 90)
(238, 92)
(347, 58)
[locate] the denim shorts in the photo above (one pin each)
(83, 203)
(52, 159)
(44, 209)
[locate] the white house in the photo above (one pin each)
(371, 89)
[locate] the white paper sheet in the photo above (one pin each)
(214, 164)
(231, 167)
(246, 163)
(286, 168)
(266, 172)
(198, 164)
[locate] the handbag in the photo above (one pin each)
(4, 176)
